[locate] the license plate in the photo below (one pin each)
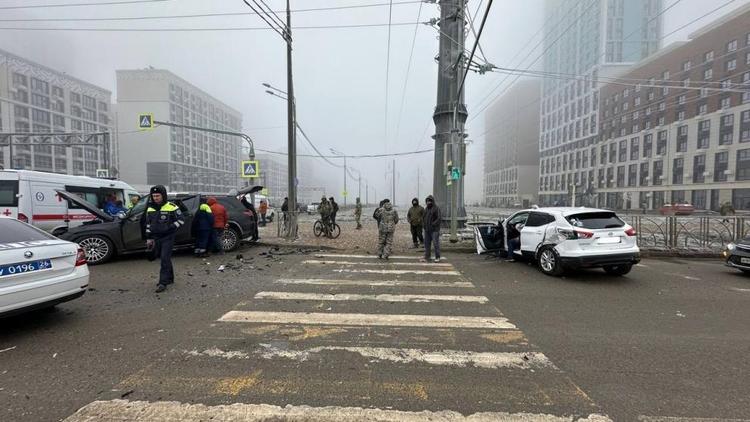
(25, 267)
(744, 260)
(609, 240)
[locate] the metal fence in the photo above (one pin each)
(678, 234)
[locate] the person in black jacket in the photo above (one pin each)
(159, 225)
(334, 210)
(432, 221)
(203, 224)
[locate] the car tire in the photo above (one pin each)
(98, 249)
(231, 240)
(618, 270)
(549, 261)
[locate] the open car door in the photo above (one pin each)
(488, 237)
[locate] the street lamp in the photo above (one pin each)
(341, 154)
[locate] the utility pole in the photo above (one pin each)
(367, 193)
(393, 201)
(345, 177)
(291, 129)
(450, 113)
(418, 195)
(359, 188)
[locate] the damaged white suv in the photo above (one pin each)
(560, 239)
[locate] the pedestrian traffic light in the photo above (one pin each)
(455, 173)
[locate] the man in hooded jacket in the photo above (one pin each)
(221, 221)
(387, 219)
(432, 221)
(415, 216)
(159, 225)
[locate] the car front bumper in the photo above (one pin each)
(735, 257)
(600, 260)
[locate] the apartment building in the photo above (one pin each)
(37, 99)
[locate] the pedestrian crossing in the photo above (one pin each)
(349, 338)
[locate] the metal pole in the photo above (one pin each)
(291, 130)
(367, 193)
(345, 191)
(418, 195)
(394, 183)
(359, 189)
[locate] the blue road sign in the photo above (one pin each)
(250, 169)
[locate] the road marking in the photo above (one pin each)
(388, 283)
(384, 320)
(218, 353)
(234, 386)
(488, 360)
(123, 410)
(643, 418)
(686, 277)
(419, 272)
(415, 257)
(377, 298)
(383, 263)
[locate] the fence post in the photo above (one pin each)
(671, 238)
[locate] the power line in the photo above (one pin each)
(352, 26)
(387, 70)
(271, 14)
(279, 31)
(203, 15)
(408, 71)
(108, 3)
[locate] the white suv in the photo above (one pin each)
(560, 239)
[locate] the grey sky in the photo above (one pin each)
(339, 73)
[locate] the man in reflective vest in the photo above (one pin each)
(159, 226)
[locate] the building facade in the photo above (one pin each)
(184, 160)
(511, 149)
(585, 41)
(37, 99)
(274, 177)
(682, 134)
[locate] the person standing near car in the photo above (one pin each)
(221, 223)
(415, 217)
(203, 225)
(159, 225)
(387, 220)
(263, 209)
(432, 221)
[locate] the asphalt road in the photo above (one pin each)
(346, 333)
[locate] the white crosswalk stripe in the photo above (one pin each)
(380, 263)
(368, 257)
(417, 272)
(375, 283)
(378, 298)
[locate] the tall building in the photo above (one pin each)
(511, 148)
(182, 159)
(37, 99)
(274, 177)
(683, 133)
(585, 41)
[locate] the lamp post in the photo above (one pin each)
(341, 154)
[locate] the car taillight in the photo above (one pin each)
(630, 231)
(566, 234)
(583, 234)
(81, 258)
(22, 218)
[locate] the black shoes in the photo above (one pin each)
(160, 288)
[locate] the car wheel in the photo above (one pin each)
(231, 240)
(618, 269)
(98, 249)
(549, 261)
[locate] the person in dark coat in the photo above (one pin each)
(203, 225)
(432, 221)
(159, 225)
(334, 210)
(415, 217)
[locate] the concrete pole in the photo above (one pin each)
(291, 130)
(449, 144)
(393, 200)
(345, 177)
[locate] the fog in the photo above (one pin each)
(339, 74)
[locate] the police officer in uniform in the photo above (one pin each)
(159, 226)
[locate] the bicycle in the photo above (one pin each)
(332, 231)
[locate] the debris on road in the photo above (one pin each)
(8, 349)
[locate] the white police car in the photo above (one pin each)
(37, 270)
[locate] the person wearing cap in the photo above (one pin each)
(159, 225)
(387, 219)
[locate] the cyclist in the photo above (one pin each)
(325, 211)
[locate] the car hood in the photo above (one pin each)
(88, 206)
(246, 190)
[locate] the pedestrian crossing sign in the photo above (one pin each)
(146, 121)
(344, 194)
(250, 169)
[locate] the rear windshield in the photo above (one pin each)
(8, 193)
(595, 220)
(12, 231)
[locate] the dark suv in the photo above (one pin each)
(108, 236)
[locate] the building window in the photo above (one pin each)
(678, 171)
(726, 130)
(726, 103)
(681, 115)
(686, 66)
(661, 143)
(702, 109)
(746, 78)
(648, 142)
(732, 46)
(721, 165)
(621, 176)
(57, 91)
(704, 133)
(708, 56)
(681, 99)
(730, 65)
(634, 148)
(75, 97)
(19, 79)
(632, 174)
(747, 58)
(662, 106)
(746, 97)
(682, 141)
(699, 167)
(644, 174)
(745, 127)
(743, 164)
(708, 74)
(623, 151)
(658, 172)
(39, 85)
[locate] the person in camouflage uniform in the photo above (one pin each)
(387, 219)
(325, 210)
(358, 214)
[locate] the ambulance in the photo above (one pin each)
(31, 197)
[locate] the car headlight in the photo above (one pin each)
(731, 247)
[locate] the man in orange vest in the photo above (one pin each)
(221, 223)
(263, 209)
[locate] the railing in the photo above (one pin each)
(677, 234)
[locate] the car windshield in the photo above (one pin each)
(12, 231)
(595, 220)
